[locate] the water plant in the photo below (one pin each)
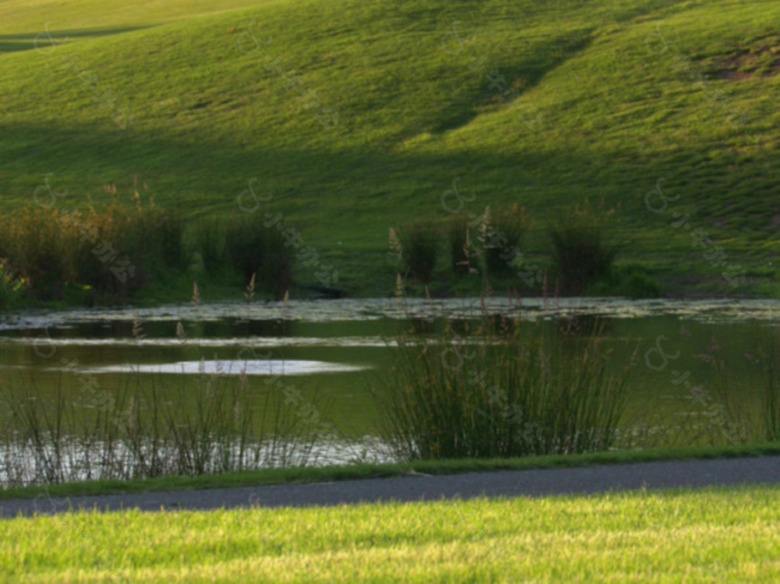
(581, 250)
(510, 389)
(254, 247)
(501, 235)
(137, 429)
(11, 287)
(112, 250)
(462, 253)
(417, 244)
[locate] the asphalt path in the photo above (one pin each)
(525, 483)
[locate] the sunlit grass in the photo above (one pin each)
(724, 535)
(600, 112)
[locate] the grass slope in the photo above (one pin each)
(714, 535)
(373, 109)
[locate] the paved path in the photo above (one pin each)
(533, 483)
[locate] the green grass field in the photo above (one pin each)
(715, 535)
(351, 117)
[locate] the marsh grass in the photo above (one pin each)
(462, 252)
(142, 430)
(210, 244)
(771, 394)
(256, 249)
(417, 245)
(509, 389)
(582, 253)
(11, 287)
(501, 236)
(731, 412)
(112, 250)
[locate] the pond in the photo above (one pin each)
(329, 360)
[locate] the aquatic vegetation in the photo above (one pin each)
(506, 389)
(582, 252)
(112, 251)
(501, 234)
(260, 250)
(417, 245)
(142, 430)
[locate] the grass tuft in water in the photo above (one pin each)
(510, 390)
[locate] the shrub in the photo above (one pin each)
(253, 248)
(512, 391)
(418, 244)
(581, 252)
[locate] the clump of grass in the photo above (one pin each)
(461, 246)
(41, 246)
(145, 240)
(210, 244)
(771, 395)
(113, 250)
(501, 237)
(417, 244)
(254, 248)
(511, 391)
(11, 287)
(582, 253)
(141, 430)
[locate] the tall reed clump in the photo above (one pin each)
(417, 246)
(11, 287)
(129, 246)
(511, 390)
(462, 254)
(581, 250)
(501, 236)
(41, 246)
(141, 430)
(255, 248)
(771, 395)
(114, 250)
(210, 245)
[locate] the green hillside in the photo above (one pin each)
(350, 117)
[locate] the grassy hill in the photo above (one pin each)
(350, 117)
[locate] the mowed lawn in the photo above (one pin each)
(715, 535)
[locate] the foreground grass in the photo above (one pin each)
(715, 535)
(364, 471)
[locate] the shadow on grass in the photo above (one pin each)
(12, 43)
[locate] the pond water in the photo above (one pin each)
(332, 355)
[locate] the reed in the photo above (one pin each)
(417, 245)
(511, 390)
(141, 430)
(11, 288)
(256, 249)
(581, 251)
(113, 250)
(462, 253)
(501, 236)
